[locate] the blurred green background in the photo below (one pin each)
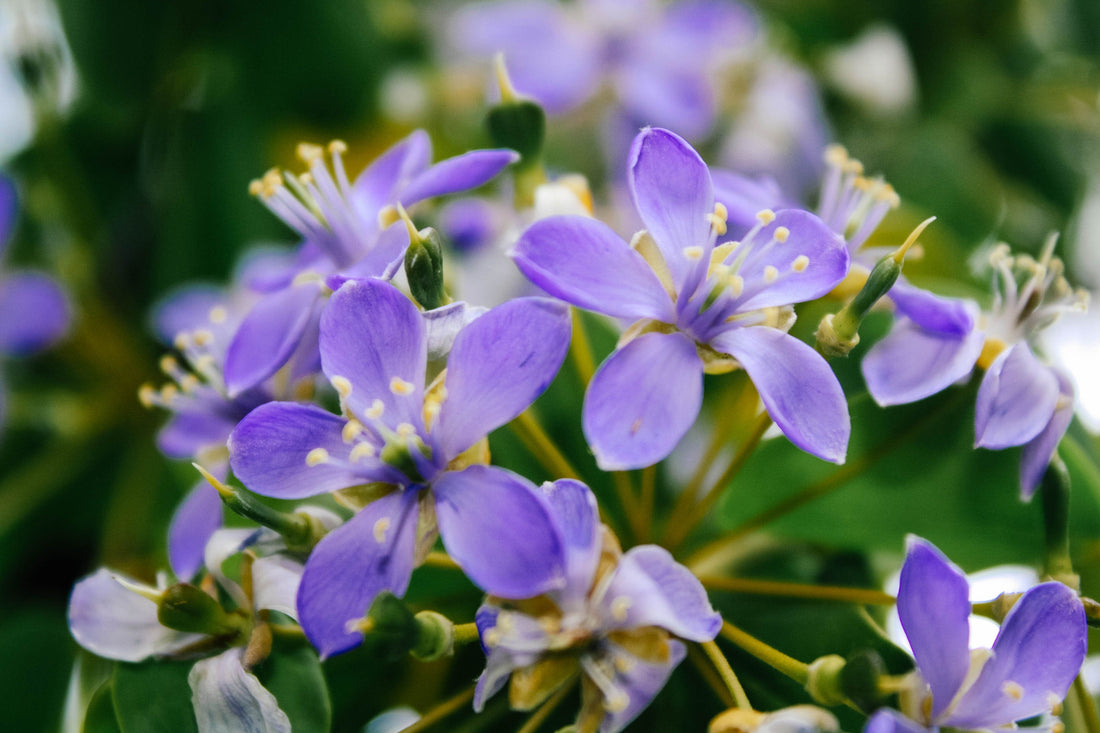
(142, 186)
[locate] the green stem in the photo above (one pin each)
(648, 501)
(441, 711)
(771, 656)
(706, 671)
(580, 350)
(464, 633)
(1087, 705)
(726, 673)
(798, 590)
(530, 432)
(630, 505)
(441, 560)
(539, 716)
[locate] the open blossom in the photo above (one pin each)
(1034, 659)
(408, 435)
(34, 311)
(345, 234)
(696, 307)
(615, 621)
(937, 342)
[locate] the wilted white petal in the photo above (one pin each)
(228, 698)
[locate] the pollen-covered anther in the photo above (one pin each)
(616, 702)
(202, 337)
(182, 341)
(770, 274)
(400, 387)
(736, 284)
(351, 430)
(781, 234)
(309, 152)
(889, 195)
(316, 457)
(765, 216)
(1013, 690)
(376, 409)
(693, 253)
(550, 625)
(189, 383)
(1054, 702)
(337, 147)
(835, 155)
(147, 395)
(218, 314)
(406, 430)
(620, 608)
(387, 215)
(718, 218)
(169, 365)
(800, 263)
(361, 451)
(624, 664)
(379, 529)
(491, 637)
(342, 385)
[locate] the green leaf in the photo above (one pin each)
(154, 696)
(293, 675)
(100, 716)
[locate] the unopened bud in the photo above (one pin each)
(424, 268)
(824, 680)
(435, 636)
(185, 607)
(860, 676)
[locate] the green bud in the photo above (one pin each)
(185, 607)
(435, 636)
(823, 683)
(519, 125)
(424, 268)
(391, 625)
(859, 679)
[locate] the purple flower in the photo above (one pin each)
(659, 61)
(345, 235)
(1034, 659)
(406, 434)
(937, 342)
(613, 621)
(34, 311)
(696, 307)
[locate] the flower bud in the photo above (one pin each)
(824, 682)
(424, 268)
(185, 607)
(859, 679)
(435, 636)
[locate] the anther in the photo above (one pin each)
(781, 234)
(400, 387)
(1054, 702)
(316, 457)
(405, 430)
(387, 215)
(309, 152)
(765, 216)
(1013, 690)
(361, 451)
(620, 607)
(770, 274)
(342, 385)
(352, 429)
(338, 147)
(836, 155)
(218, 314)
(169, 365)
(491, 637)
(624, 664)
(147, 395)
(617, 702)
(376, 409)
(737, 285)
(203, 337)
(379, 530)
(693, 253)
(182, 340)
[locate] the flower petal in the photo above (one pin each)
(934, 312)
(275, 581)
(654, 92)
(798, 388)
(891, 721)
(934, 607)
(499, 528)
(642, 400)
(638, 679)
(442, 325)
(197, 518)
(911, 363)
(1036, 656)
(584, 262)
(34, 312)
(381, 182)
(1015, 400)
(268, 452)
(460, 173)
(190, 432)
(114, 622)
(374, 337)
(184, 310)
(649, 588)
(498, 366)
(269, 335)
(227, 697)
(744, 196)
(351, 565)
(9, 209)
(576, 515)
(672, 191)
(1040, 449)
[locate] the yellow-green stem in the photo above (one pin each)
(766, 653)
(441, 711)
(630, 505)
(1087, 705)
(529, 430)
(581, 351)
(679, 532)
(726, 673)
(464, 633)
(440, 560)
(648, 501)
(798, 590)
(706, 671)
(539, 716)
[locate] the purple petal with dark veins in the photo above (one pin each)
(642, 400)
(912, 363)
(577, 517)
(1036, 656)
(798, 388)
(1015, 400)
(269, 335)
(351, 565)
(934, 607)
(672, 191)
(934, 312)
(380, 184)
(34, 312)
(498, 527)
(460, 173)
(196, 519)
(498, 366)
(268, 453)
(373, 336)
(640, 682)
(649, 588)
(227, 697)
(114, 622)
(1039, 450)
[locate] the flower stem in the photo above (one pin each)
(440, 560)
(798, 590)
(464, 633)
(441, 711)
(539, 716)
(725, 671)
(580, 350)
(771, 656)
(1087, 705)
(631, 506)
(677, 533)
(706, 671)
(647, 501)
(530, 432)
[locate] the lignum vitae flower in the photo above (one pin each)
(696, 307)
(348, 230)
(937, 342)
(615, 622)
(1034, 658)
(404, 446)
